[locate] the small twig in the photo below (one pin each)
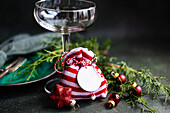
(117, 66)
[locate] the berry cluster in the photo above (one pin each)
(114, 98)
(120, 78)
(136, 89)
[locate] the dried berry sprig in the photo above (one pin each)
(142, 76)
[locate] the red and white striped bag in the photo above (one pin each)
(81, 73)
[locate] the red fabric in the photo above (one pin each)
(75, 71)
(84, 54)
(69, 78)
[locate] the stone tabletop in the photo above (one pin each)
(139, 31)
(32, 98)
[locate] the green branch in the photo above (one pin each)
(142, 76)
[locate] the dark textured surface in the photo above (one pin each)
(32, 97)
(116, 19)
(139, 31)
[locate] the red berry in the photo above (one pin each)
(122, 78)
(114, 97)
(137, 91)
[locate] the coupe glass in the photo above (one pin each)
(65, 16)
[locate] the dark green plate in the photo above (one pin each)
(44, 71)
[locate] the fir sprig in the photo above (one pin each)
(142, 76)
(29, 70)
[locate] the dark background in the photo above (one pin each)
(139, 30)
(116, 18)
(141, 24)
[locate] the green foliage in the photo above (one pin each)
(29, 70)
(142, 76)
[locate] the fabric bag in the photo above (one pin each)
(83, 75)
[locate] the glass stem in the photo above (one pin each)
(65, 41)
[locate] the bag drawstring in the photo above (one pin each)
(83, 63)
(60, 59)
(72, 61)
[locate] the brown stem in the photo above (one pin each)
(57, 51)
(118, 66)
